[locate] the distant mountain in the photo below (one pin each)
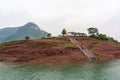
(5, 32)
(30, 29)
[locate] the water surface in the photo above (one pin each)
(61, 71)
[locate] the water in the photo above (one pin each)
(61, 71)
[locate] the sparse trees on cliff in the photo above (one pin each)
(27, 38)
(49, 35)
(93, 31)
(64, 32)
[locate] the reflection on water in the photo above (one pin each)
(62, 71)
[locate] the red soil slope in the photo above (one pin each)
(57, 50)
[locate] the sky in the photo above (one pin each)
(54, 15)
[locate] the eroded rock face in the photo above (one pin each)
(29, 54)
(54, 49)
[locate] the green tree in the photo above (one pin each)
(27, 38)
(93, 31)
(75, 33)
(82, 34)
(49, 35)
(64, 32)
(102, 37)
(112, 39)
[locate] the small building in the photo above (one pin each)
(76, 34)
(70, 33)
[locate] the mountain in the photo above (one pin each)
(5, 32)
(30, 29)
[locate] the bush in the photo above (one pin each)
(68, 45)
(112, 39)
(102, 37)
(94, 36)
(93, 31)
(27, 38)
(49, 35)
(64, 32)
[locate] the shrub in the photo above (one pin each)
(27, 38)
(102, 37)
(49, 35)
(68, 45)
(93, 31)
(64, 32)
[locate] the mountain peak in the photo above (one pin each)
(30, 29)
(31, 25)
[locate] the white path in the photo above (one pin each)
(86, 52)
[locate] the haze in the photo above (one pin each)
(54, 15)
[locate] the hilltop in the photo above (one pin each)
(19, 33)
(57, 50)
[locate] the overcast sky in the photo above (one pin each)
(54, 15)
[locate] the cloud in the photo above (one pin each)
(53, 15)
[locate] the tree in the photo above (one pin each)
(93, 31)
(82, 34)
(59, 35)
(102, 37)
(49, 35)
(75, 33)
(64, 32)
(112, 39)
(27, 38)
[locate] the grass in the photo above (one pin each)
(54, 41)
(50, 44)
(95, 46)
(2, 54)
(68, 45)
(6, 43)
(44, 44)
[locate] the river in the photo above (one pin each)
(109, 70)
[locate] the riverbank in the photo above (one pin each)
(57, 50)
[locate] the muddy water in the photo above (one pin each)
(61, 71)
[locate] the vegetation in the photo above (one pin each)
(79, 34)
(49, 35)
(5, 43)
(112, 39)
(43, 37)
(102, 37)
(68, 45)
(94, 33)
(64, 32)
(27, 38)
(2, 54)
(59, 36)
(18, 33)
